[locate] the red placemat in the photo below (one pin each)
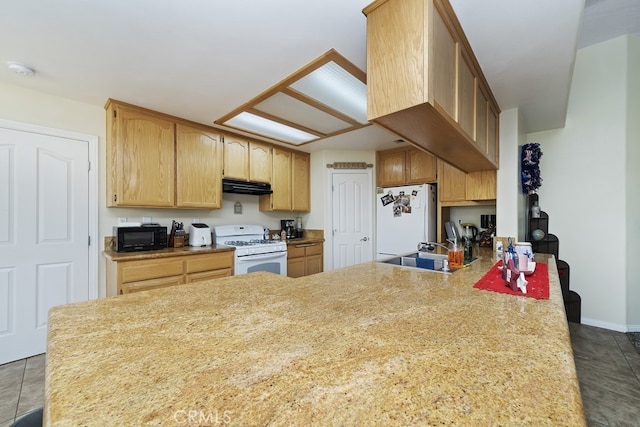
(538, 286)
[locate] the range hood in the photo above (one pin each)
(245, 187)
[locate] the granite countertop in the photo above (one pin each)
(163, 253)
(371, 344)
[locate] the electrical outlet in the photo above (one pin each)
(122, 220)
(195, 220)
(146, 219)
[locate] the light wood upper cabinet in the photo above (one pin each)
(391, 168)
(402, 166)
(300, 182)
(421, 167)
(246, 160)
(236, 157)
(423, 79)
(259, 161)
(289, 182)
(198, 167)
(455, 187)
(140, 157)
(452, 183)
(481, 185)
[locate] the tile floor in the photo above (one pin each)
(608, 367)
(21, 388)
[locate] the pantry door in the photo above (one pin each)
(352, 217)
(44, 234)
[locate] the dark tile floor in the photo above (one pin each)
(608, 367)
(607, 362)
(21, 388)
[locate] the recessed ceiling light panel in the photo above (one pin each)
(337, 88)
(260, 125)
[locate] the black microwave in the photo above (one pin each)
(146, 237)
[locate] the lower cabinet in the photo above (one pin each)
(304, 259)
(144, 274)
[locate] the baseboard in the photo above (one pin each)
(611, 326)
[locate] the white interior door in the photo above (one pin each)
(44, 232)
(352, 223)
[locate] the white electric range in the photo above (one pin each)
(253, 252)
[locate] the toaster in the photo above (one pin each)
(199, 234)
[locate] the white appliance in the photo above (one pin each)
(199, 234)
(253, 253)
(405, 216)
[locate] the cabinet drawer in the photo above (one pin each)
(145, 285)
(206, 262)
(295, 251)
(151, 269)
(208, 275)
(314, 249)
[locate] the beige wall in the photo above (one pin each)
(585, 188)
(633, 180)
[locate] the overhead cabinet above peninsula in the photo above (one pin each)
(425, 84)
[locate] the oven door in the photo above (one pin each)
(275, 262)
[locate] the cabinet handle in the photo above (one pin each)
(304, 246)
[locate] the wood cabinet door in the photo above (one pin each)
(145, 161)
(260, 162)
(391, 168)
(198, 168)
(281, 180)
(482, 108)
(466, 95)
(395, 50)
(421, 167)
(481, 185)
(296, 267)
(452, 183)
(492, 135)
(314, 264)
(236, 158)
(300, 182)
(443, 66)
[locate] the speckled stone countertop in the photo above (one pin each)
(163, 253)
(371, 344)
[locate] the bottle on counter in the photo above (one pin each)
(266, 234)
(468, 246)
(283, 235)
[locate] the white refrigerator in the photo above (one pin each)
(405, 216)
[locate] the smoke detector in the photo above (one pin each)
(21, 69)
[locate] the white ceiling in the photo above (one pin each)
(201, 59)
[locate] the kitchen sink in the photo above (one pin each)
(422, 260)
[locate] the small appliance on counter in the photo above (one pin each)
(289, 227)
(199, 234)
(145, 237)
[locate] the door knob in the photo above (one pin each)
(364, 239)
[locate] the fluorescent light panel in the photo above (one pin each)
(335, 87)
(260, 125)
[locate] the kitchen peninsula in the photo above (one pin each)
(371, 344)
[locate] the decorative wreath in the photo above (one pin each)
(530, 159)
